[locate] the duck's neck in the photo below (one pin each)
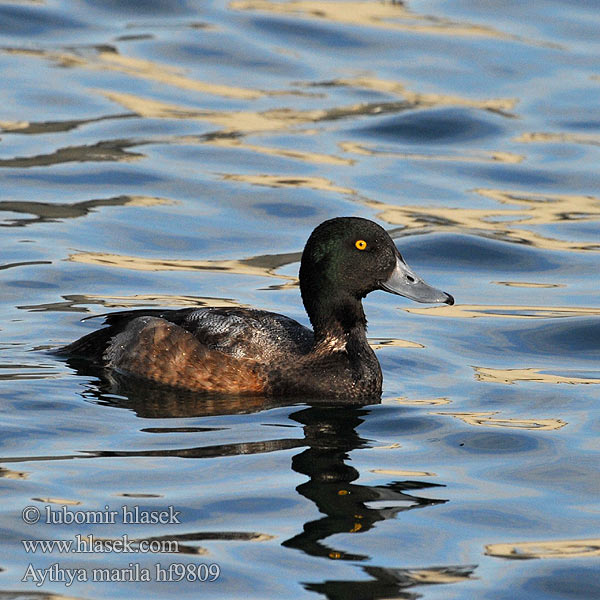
(337, 320)
(340, 330)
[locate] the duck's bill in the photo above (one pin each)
(405, 282)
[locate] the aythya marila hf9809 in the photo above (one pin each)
(249, 351)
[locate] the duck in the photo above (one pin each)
(247, 351)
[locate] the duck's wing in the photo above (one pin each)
(238, 332)
(93, 345)
(247, 333)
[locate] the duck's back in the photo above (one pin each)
(238, 332)
(248, 333)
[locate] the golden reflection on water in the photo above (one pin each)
(504, 224)
(239, 122)
(474, 311)
(49, 500)
(417, 401)
(280, 119)
(108, 59)
(139, 300)
(250, 266)
(10, 474)
(246, 122)
(486, 419)
(403, 473)
(558, 138)
(392, 446)
(437, 576)
(470, 157)
(512, 376)
(313, 157)
(378, 343)
(553, 549)
(392, 16)
(284, 181)
(502, 106)
(24, 2)
(13, 125)
(529, 284)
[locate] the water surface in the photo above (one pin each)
(179, 154)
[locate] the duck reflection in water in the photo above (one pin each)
(330, 433)
(329, 436)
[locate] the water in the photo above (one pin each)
(179, 154)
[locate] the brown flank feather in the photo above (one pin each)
(156, 349)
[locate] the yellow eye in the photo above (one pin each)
(360, 244)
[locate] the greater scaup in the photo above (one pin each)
(249, 351)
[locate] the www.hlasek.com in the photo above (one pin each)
(86, 544)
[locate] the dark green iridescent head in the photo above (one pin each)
(348, 257)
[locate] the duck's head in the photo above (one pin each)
(349, 257)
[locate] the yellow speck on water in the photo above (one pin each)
(10, 474)
(404, 473)
(417, 401)
(393, 446)
(511, 376)
(487, 419)
(343, 492)
(582, 548)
